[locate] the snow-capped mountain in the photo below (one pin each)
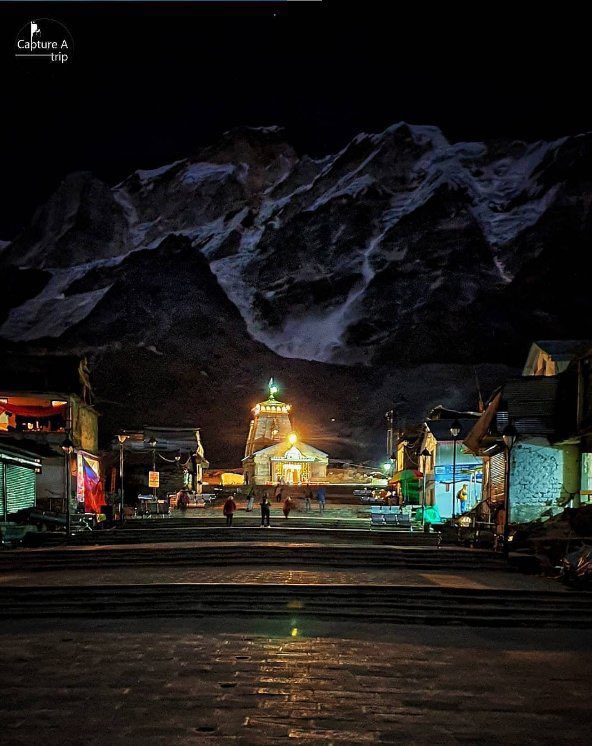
(400, 249)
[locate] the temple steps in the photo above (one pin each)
(162, 532)
(293, 555)
(384, 603)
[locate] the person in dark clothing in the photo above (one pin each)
(321, 497)
(182, 499)
(265, 510)
(229, 509)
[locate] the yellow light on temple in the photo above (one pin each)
(293, 438)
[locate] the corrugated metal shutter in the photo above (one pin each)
(497, 478)
(20, 486)
(1, 491)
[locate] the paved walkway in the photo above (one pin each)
(279, 575)
(232, 681)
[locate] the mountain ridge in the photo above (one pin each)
(399, 250)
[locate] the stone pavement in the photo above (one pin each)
(269, 574)
(232, 681)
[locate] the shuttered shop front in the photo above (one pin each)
(17, 482)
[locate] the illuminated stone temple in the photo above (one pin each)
(274, 453)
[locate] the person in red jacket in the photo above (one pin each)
(287, 506)
(228, 510)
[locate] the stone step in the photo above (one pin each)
(219, 532)
(294, 555)
(395, 604)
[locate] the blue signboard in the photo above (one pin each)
(465, 472)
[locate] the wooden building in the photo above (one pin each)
(45, 401)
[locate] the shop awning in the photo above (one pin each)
(406, 475)
(30, 411)
(408, 481)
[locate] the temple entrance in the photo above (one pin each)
(291, 473)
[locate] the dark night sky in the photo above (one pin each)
(150, 84)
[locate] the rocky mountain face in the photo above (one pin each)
(382, 272)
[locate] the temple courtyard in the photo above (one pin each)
(250, 636)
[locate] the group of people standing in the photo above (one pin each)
(230, 507)
(309, 497)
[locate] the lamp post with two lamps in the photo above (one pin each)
(68, 449)
(455, 429)
(509, 436)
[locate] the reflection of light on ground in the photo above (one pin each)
(452, 581)
(12, 578)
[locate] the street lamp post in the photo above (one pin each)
(509, 436)
(393, 460)
(152, 443)
(426, 454)
(403, 481)
(68, 448)
(121, 438)
(455, 432)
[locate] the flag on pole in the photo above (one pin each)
(93, 489)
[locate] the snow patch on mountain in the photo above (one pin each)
(49, 316)
(198, 172)
(349, 188)
(146, 175)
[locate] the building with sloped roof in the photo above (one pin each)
(550, 357)
(44, 400)
(450, 467)
(543, 468)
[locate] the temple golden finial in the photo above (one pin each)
(273, 389)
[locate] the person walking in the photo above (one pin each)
(287, 506)
(229, 509)
(278, 492)
(265, 510)
(250, 499)
(182, 500)
(308, 495)
(321, 497)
